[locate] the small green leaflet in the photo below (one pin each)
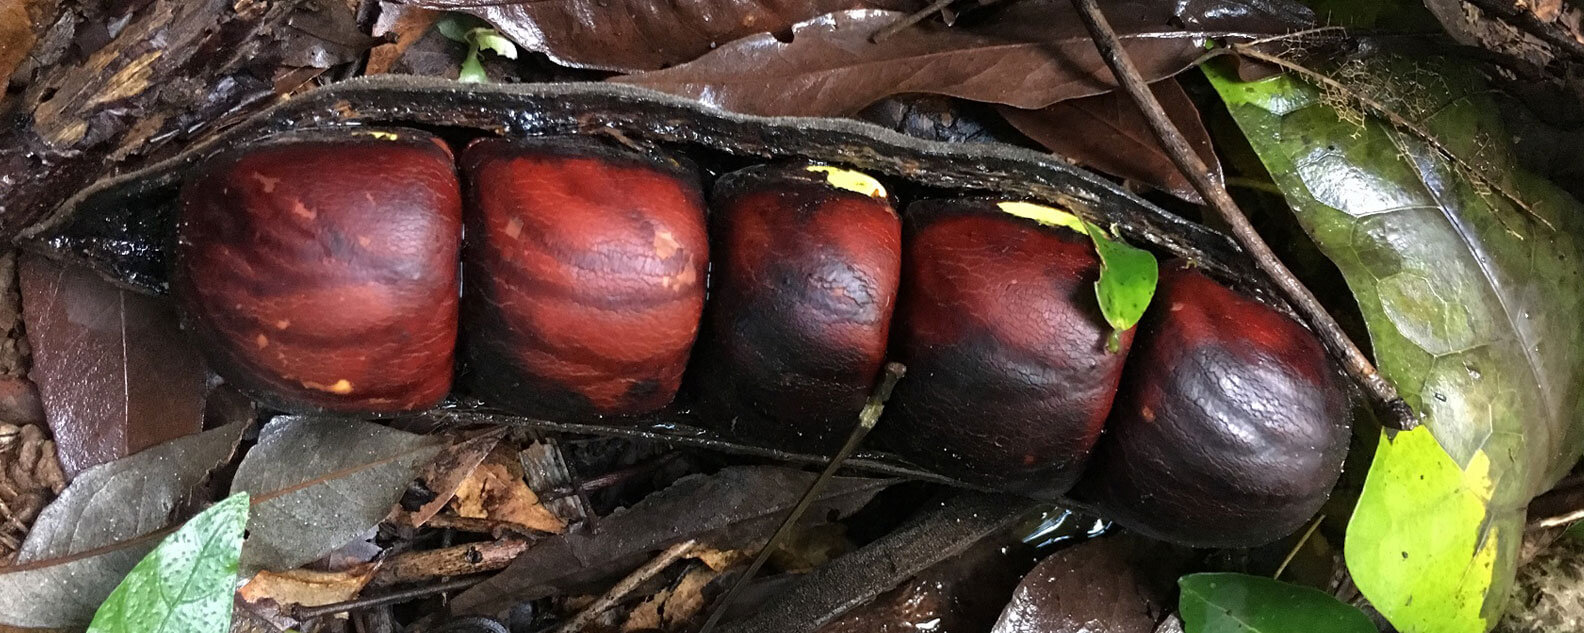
(479, 37)
(186, 584)
(1127, 274)
(1237, 603)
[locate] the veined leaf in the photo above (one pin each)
(1472, 306)
(185, 585)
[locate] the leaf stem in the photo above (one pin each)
(1383, 395)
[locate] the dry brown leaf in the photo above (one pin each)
(446, 472)
(633, 35)
(20, 22)
(408, 23)
(1107, 132)
(1022, 54)
(718, 559)
(496, 490)
(307, 587)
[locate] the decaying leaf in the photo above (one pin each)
(728, 509)
(1471, 305)
(675, 606)
(496, 490)
(129, 497)
(321, 483)
(633, 35)
(101, 526)
(447, 471)
(114, 370)
(1025, 55)
(1106, 132)
(307, 587)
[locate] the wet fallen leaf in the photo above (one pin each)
(446, 472)
(115, 373)
(1025, 54)
(1471, 306)
(496, 490)
(307, 587)
(735, 506)
(633, 35)
(1107, 132)
(321, 483)
(1108, 585)
(101, 525)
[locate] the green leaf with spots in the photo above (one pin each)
(1472, 306)
(1237, 603)
(186, 584)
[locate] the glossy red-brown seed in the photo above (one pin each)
(1009, 379)
(1230, 426)
(584, 274)
(319, 269)
(804, 282)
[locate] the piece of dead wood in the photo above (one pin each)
(622, 589)
(174, 68)
(307, 587)
(457, 560)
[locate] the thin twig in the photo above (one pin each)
(909, 20)
(866, 422)
(1551, 32)
(628, 585)
(1293, 553)
(394, 597)
(1394, 410)
(1396, 120)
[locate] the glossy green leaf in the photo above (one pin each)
(186, 584)
(1237, 603)
(1127, 279)
(1472, 306)
(1127, 274)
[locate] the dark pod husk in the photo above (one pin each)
(121, 225)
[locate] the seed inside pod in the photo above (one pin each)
(1230, 426)
(806, 265)
(1009, 379)
(319, 269)
(584, 268)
